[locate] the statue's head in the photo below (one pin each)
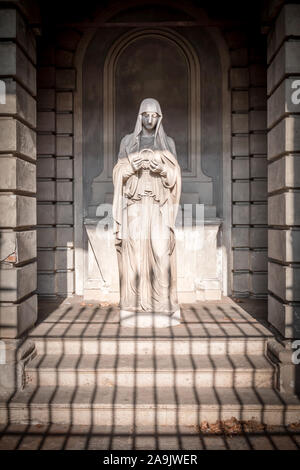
(150, 113)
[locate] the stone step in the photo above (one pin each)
(148, 346)
(151, 371)
(172, 406)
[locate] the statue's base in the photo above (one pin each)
(148, 319)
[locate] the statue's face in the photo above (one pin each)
(149, 120)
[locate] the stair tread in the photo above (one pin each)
(156, 363)
(145, 397)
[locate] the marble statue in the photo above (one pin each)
(147, 186)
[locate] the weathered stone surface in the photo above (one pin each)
(64, 283)
(240, 101)
(64, 168)
(14, 63)
(17, 174)
(286, 62)
(12, 26)
(259, 260)
(258, 190)
(284, 281)
(46, 167)
(241, 214)
(240, 123)
(15, 319)
(240, 146)
(258, 167)
(19, 102)
(259, 214)
(240, 237)
(258, 120)
(17, 282)
(46, 237)
(258, 237)
(284, 245)
(17, 211)
(46, 144)
(259, 283)
(239, 77)
(241, 282)
(64, 214)
(287, 24)
(65, 236)
(16, 137)
(46, 121)
(65, 79)
(64, 123)
(64, 191)
(45, 214)
(240, 168)
(284, 317)
(46, 77)
(280, 102)
(284, 173)
(12, 374)
(18, 246)
(283, 209)
(45, 99)
(240, 191)
(64, 101)
(64, 259)
(284, 137)
(64, 146)
(241, 259)
(258, 97)
(46, 260)
(46, 283)
(258, 144)
(46, 191)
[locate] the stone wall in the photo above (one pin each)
(18, 300)
(56, 82)
(249, 164)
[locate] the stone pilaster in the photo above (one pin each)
(18, 300)
(284, 190)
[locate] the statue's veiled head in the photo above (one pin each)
(150, 113)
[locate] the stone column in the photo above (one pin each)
(283, 193)
(18, 301)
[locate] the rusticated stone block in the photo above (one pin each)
(280, 102)
(286, 62)
(258, 144)
(65, 236)
(16, 137)
(258, 120)
(17, 174)
(282, 209)
(258, 167)
(240, 191)
(46, 99)
(284, 317)
(259, 283)
(16, 283)
(64, 259)
(241, 214)
(284, 245)
(259, 214)
(46, 237)
(12, 26)
(240, 237)
(18, 247)
(15, 319)
(240, 101)
(65, 283)
(46, 283)
(46, 191)
(46, 121)
(64, 101)
(46, 144)
(284, 173)
(240, 146)
(64, 214)
(240, 168)
(46, 167)
(258, 190)
(14, 63)
(64, 168)
(240, 123)
(64, 123)
(284, 281)
(19, 102)
(258, 97)
(45, 214)
(258, 237)
(259, 260)
(287, 24)
(64, 190)
(46, 260)
(64, 146)
(17, 211)
(240, 259)
(241, 282)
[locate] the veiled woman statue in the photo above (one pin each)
(147, 186)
